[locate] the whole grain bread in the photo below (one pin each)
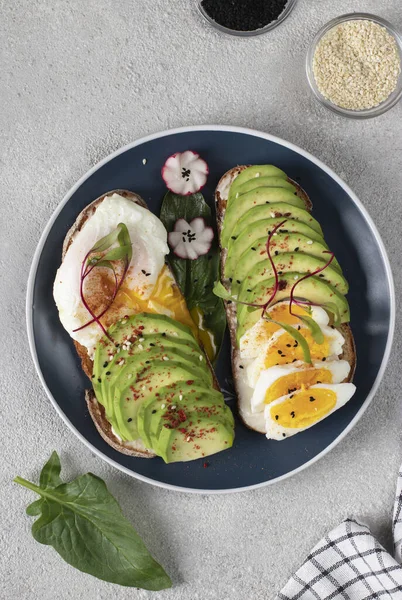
(96, 410)
(349, 348)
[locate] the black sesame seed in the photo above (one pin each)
(324, 359)
(254, 249)
(93, 376)
(288, 345)
(249, 290)
(154, 411)
(238, 281)
(105, 364)
(319, 382)
(99, 379)
(143, 270)
(284, 434)
(147, 362)
(279, 351)
(233, 237)
(229, 301)
(280, 272)
(276, 417)
(129, 420)
(295, 344)
(293, 414)
(164, 333)
(241, 367)
(151, 344)
(230, 279)
(107, 372)
(294, 360)
(312, 399)
(296, 249)
(276, 252)
(321, 275)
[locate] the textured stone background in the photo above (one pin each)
(78, 80)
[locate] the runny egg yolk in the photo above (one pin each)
(166, 299)
(304, 409)
(287, 350)
(280, 312)
(295, 381)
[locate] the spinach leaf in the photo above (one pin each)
(196, 278)
(49, 478)
(85, 525)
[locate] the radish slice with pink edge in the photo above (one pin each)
(191, 240)
(185, 173)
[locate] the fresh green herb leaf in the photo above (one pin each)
(84, 524)
(298, 337)
(196, 278)
(49, 478)
(220, 291)
(314, 328)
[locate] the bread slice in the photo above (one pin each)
(96, 410)
(349, 349)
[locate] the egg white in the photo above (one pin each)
(274, 431)
(339, 369)
(149, 242)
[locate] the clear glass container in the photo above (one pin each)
(346, 112)
(286, 11)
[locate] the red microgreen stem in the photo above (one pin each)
(316, 272)
(270, 236)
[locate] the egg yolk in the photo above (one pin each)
(294, 381)
(166, 298)
(304, 408)
(287, 350)
(279, 312)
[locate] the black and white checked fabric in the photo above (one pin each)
(349, 564)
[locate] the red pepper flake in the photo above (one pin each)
(190, 382)
(206, 465)
(182, 415)
(183, 430)
(141, 327)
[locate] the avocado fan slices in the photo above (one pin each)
(155, 385)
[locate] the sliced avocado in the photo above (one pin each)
(173, 398)
(127, 399)
(251, 235)
(203, 438)
(176, 415)
(270, 211)
(282, 243)
(257, 182)
(293, 262)
(256, 171)
(314, 289)
(239, 206)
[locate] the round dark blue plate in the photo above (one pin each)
(253, 461)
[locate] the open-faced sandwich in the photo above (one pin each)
(293, 353)
(154, 392)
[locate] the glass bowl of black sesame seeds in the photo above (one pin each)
(245, 18)
(353, 65)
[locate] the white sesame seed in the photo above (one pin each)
(296, 277)
(356, 64)
(188, 439)
(175, 333)
(110, 357)
(143, 388)
(309, 242)
(200, 357)
(141, 339)
(180, 397)
(237, 195)
(165, 357)
(163, 406)
(173, 407)
(257, 174)
(144, 161)
(140, 347)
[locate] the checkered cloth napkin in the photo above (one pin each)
(349, 564)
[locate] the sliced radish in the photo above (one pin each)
(191, 240)
(185, 173)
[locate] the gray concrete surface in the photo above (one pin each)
(78, 80)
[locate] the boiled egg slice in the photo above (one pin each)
(304, 408)
(262, 331)
(282, 380)
(282, 348)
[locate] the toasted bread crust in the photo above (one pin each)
(96, 410)
(349, 348)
